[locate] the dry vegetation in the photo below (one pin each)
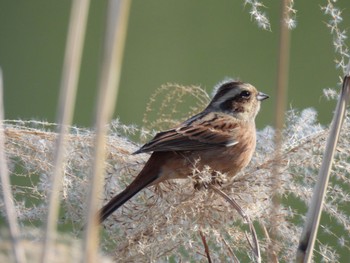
(167, 221)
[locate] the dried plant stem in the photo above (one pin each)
(281, 95)
(11, 214)
(308, 236)
(69, 84)
(117, 18)
(206, 247)
(232, 254)
(255, 245)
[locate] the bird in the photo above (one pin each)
(222, 136)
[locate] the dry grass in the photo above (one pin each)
(166, 221)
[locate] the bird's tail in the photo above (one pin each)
(148, 175)
(121, 198)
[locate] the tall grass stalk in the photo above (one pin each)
(116, 28)
(280, 100)
(10, 210)
(308, 236)
(68, 88)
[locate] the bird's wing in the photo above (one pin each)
(209, 131)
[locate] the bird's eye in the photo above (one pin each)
(245, 94)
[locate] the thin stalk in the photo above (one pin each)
(281, 98)
(10, 210)
(68, 88)
(117, 18)
(254, 244)
(308, 236)
(206, 247)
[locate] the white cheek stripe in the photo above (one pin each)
(231, 144)
(228, 95)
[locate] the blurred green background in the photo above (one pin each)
(186, 42)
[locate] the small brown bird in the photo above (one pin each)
(222, 136)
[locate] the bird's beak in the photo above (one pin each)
(262, 96)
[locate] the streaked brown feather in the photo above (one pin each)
(210, 131)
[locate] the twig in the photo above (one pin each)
(255, 245)
(206, 248)
(234, 257)
(11, 214)
(268, 239)
(69, 84)
(308, 236)
(117, 18)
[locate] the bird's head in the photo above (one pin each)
(238, 99)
